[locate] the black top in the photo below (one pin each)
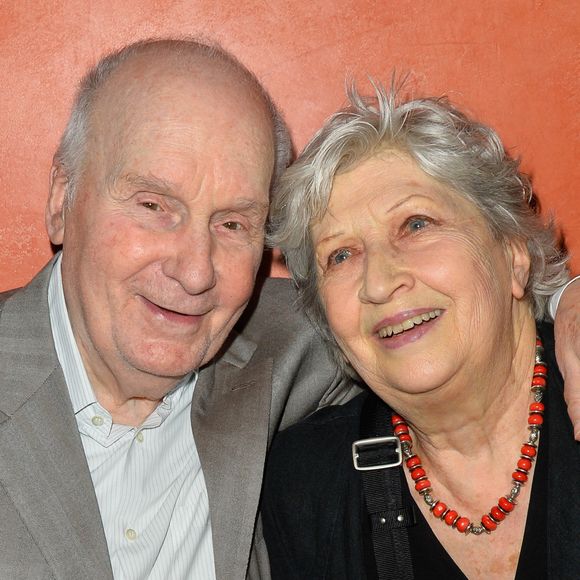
(430, 560)
(315, 521)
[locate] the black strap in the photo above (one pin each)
(389, 513)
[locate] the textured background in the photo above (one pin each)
(514, 64)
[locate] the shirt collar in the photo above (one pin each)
(78, 384)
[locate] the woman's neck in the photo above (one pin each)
(482, 409)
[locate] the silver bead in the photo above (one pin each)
(515, 491)
(429, 500)
(476, 530)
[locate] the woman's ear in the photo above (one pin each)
(519, 258)
(54, 215)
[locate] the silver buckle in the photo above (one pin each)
(362, 443)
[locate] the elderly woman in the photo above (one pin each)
(418, 252)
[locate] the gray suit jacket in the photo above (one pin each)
(50, 526)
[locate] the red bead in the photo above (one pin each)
(439, 509)
(535, 419)
(462, 524)
(505, 504)
(450, 517)
(497, 514)
(488, 523)
(423, 484)
(540, 369)
(539, 407)
(413, 461)
(405, 437)
(528, 450)
(519, 476)
(396, 419)
(539, 342)
(539, 381)
(417, 473)
(525, 464)
(400, 429)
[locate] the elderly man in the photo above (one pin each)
(120, 375)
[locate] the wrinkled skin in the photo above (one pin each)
(164, 237)
(567, 329)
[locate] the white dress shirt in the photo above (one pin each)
(148, 479)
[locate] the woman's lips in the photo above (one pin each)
(409, 323)
(407, 327)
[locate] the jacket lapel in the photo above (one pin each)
(43, 469)
(230, 415)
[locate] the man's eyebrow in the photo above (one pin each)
(149, 182)
(249, 204)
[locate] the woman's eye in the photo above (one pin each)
(416, 223)
(339, 256)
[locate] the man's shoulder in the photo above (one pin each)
(28, 299)
(273, 310)
(274, 321)
(7, 294)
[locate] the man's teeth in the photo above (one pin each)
(389, 331)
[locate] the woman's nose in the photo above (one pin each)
(385, 276)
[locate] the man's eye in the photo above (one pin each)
(339, 256)
(234, 226)
(151, 205)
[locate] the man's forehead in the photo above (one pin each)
(148, 97)
(167, 79)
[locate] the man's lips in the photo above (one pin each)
(175, 315)
(405, 321)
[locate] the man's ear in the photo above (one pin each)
(519, 258)
(54, 215)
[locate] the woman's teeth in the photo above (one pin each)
(389, 331)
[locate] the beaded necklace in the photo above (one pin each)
(505, 504)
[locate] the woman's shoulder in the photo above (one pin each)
(310, 490)
(315, 448)
(329, 426)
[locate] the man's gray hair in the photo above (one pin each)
(71, 154)
(447, 145)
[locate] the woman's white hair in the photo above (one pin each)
(447, 145)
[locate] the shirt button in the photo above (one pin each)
(139, 436)
(130, 534)
(97, 421)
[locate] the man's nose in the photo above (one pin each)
(386, 274)
(191, 261)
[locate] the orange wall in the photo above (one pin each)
(512, 63)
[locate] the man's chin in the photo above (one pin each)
(167, 363)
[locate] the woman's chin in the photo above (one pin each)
(423, 375)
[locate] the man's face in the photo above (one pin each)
(164, 238)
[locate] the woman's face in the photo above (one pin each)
(417, 291)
